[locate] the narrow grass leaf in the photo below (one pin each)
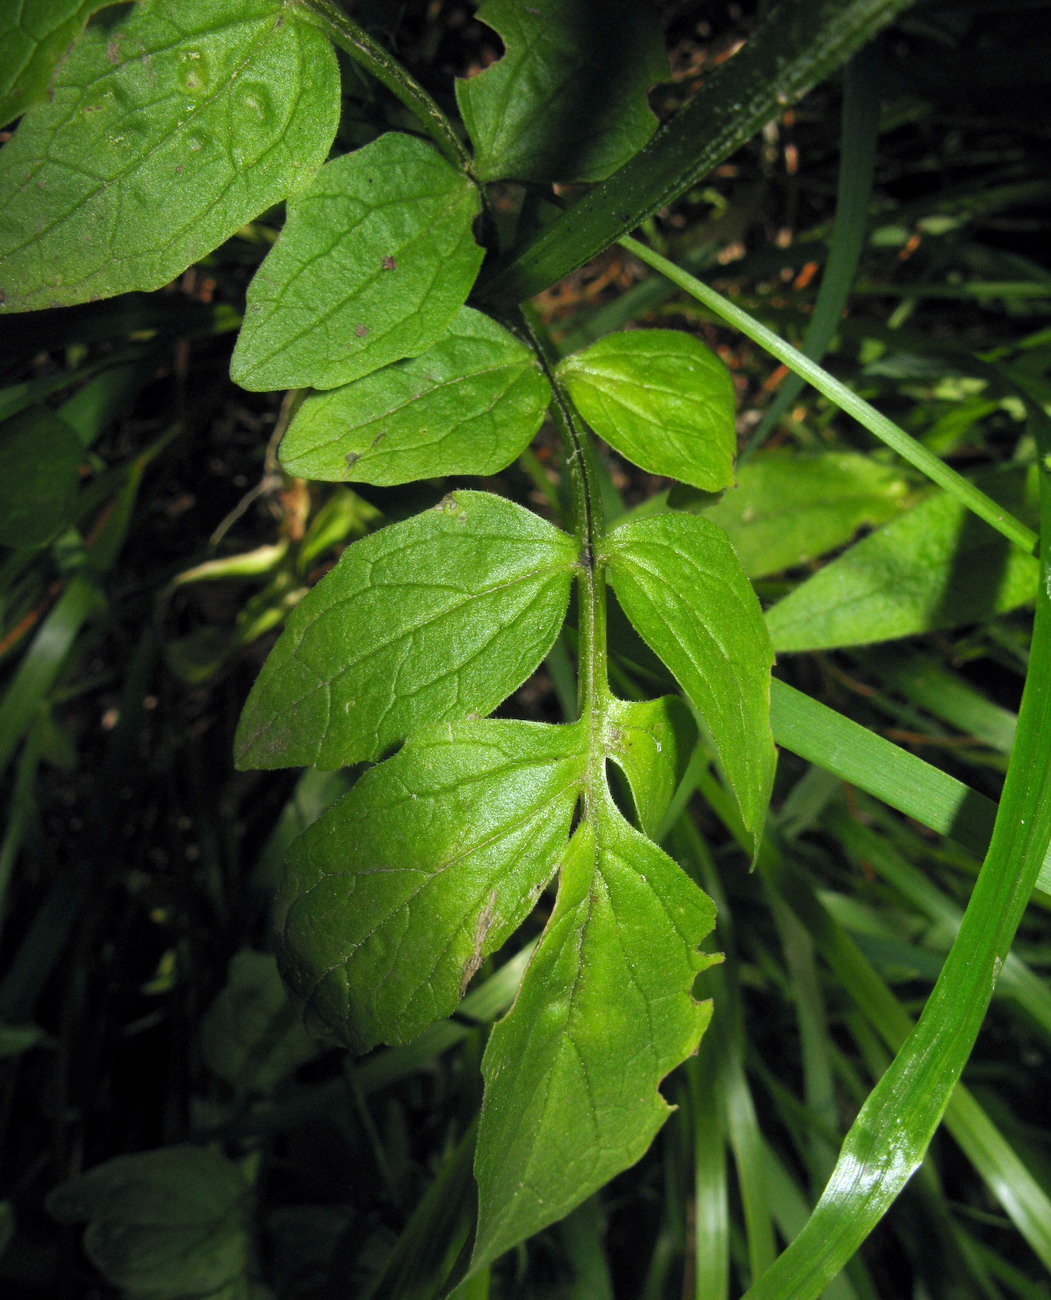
(935, 567)
(468, 405)
(888, 1139)
(438, 617)
(661, 399)
(603, 1013)
(859, 756)
(374, 261)
(393, 898)
(682, 587)
(160, 137)
(857, 168)
(567, 102)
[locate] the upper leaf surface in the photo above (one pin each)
(661, 399)
(393, 898)
(468, 405)
(604, 1012)
(34, 34)
(163, 136)
(651, 741)
(788, 509)
(374, 261)
(936, 566)
(683, 588)
(567, 102)
(438, 617)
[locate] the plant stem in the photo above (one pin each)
(886, 430)
(344, 32)
(589, 528)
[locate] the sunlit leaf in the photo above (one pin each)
(468, 405)
(662, 400)
(164, 135)
(393, 898)
(651, 740)
(681, 585)
(567, 102)
(374, 261)
(438, 617)
(604, 1012)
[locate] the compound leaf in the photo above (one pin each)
(435, 618)
(787, 509)
(936, 566)
(468, 405)
(661, 399)
(651, 741)
(604, 1012)
(683, 588)
(161, 137)
(393, 898)
(567, 102)
(34, 34)
(172, 1222)
(374, 261)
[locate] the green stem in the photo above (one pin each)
(886, 430)
(344, 32)
(589, 528)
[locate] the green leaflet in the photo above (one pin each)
(250, 1035)
(603, 1013)
(567, 102)
(374, 261)
(681, 585)
(937, 566)
(34, 34)
(164, 135)
(435, 857)
(661, 399)
(468, 405)
(788, 509)
(438, 617)
(172, 1222)
(40, 460)
(651, 741)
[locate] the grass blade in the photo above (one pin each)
(857, 167)
(890, 1136)
(905, 782)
